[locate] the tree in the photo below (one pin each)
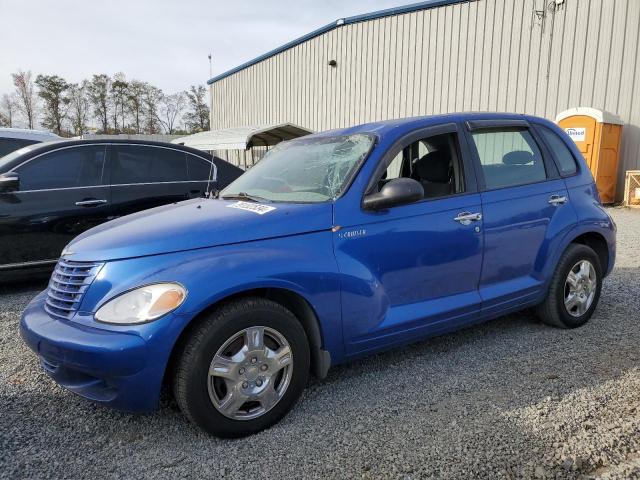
(197, 117)
(151, 98)
(26, 96)
(98, 90)
(8, 106)
(53, 90)
(135, 103)
(79, 107)
(171, 106)
(119, 87)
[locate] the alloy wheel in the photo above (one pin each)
(580, 288)
(250, 373)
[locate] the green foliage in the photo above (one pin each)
(53, 90)
(197, 117)
(98, 91)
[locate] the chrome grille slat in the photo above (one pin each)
(61, 289)
(55, 296)
(68, 285)
(59, 305)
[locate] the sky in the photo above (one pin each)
(163, 42)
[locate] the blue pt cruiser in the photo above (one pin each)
(334, 246)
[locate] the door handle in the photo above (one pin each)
(90, 203)
(556, 200)
(465, 218)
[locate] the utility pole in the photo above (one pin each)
(209, 91)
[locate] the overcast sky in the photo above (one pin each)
(163, 42)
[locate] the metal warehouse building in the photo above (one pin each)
(530, 56)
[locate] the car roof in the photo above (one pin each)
(399, 127)
(27, 134)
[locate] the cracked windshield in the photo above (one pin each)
(309, 170)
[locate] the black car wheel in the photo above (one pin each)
(574, 289)
(242, 368)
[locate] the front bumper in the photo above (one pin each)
(109, 367)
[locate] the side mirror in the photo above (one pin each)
(9, 182)
(398, 191)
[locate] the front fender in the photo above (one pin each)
(303, 264)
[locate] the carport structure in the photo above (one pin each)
(255, 139)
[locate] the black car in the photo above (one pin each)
(52, 192)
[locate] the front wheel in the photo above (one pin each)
(574, 290)
(243, 368)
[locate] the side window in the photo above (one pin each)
(8, 145)
(394, 170)
(432, 161)
(146, 164)
(80, 166)
(509, 158)
(198, 168)
(565, 159)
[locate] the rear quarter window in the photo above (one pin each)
(565, 160)
(198, 168)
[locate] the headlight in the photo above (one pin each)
(142, 304)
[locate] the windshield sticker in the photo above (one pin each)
(252, 207)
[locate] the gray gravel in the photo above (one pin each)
(508, 399)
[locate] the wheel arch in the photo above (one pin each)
(598, 243)
(291, 300)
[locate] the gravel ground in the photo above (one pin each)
(508, 399)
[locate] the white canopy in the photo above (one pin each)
(242, 138)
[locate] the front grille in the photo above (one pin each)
(67, 286)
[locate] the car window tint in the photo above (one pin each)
(198, 168)
(8, 145)
(509, 158)
(80, 166)
(143, 164)
(565, 159)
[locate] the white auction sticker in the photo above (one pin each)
(576, 134)
(252, 207)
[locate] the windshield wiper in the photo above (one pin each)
(244, 196)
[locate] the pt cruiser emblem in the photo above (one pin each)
(361, 232)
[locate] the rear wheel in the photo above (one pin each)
(243, 368)
(574, 290)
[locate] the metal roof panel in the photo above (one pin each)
(425, 5)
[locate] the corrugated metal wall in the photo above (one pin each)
(485, 55)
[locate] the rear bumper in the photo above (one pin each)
(112, 368)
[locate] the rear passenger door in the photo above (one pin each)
(525, 211)
(145, 176)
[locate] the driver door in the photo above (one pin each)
(61, 195)
(413, 270)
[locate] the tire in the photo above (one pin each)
(207, 401)
(553, 311)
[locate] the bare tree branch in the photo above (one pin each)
(171, 106)
(26, 95)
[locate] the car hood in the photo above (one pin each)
(197, 223)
